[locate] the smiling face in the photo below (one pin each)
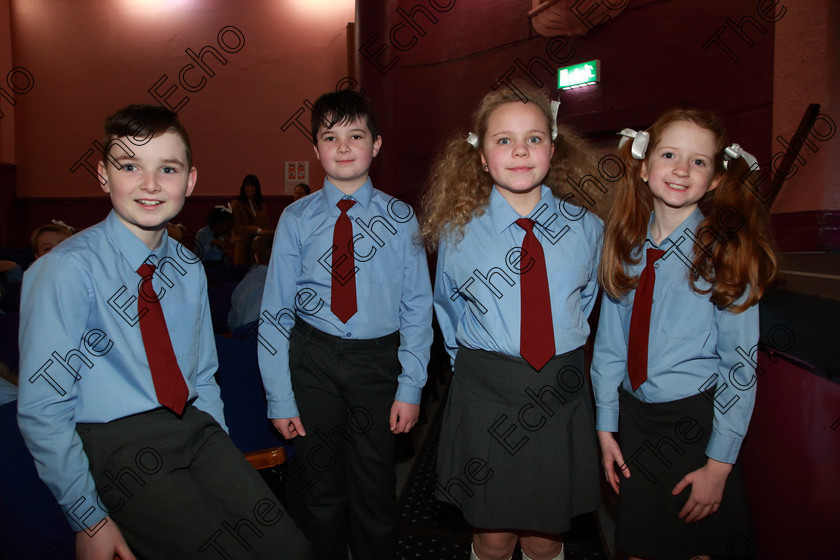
(345, 151)
(149, 188)
(680, 169)
(517, 150)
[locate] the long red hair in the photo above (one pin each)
(741, 256)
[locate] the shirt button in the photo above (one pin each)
(348, 335)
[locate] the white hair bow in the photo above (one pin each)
(640, 142)
(225, 208)
(472, 137)
(71, 229)
(555, 106)
(735, 151)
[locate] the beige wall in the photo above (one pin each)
(91, 57)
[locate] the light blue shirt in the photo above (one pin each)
(247, 297)
(207, 251)
(393, 292)
(82, 353)
(477, 288)
(692, 347)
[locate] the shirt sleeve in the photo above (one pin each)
(55, 305)
(736, 381)
(609, 364)
(209, 395)
(415, 318)
(590, 291)
(277, 317)
(449, 305)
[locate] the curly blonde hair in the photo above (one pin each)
(459, 188)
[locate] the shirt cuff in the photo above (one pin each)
(606, 419)
(408, 394)
(283, 409)
(722, 448)
(86, 512)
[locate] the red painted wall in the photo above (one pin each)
(652, 57)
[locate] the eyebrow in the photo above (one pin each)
(674, 148)
(353, 130)
(167, 161)
(532, 131)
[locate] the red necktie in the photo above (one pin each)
(170, 387)
(536, 332)
(343, 301)
(637, 345)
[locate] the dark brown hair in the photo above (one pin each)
(139, 123)
(343, 107)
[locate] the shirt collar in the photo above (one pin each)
(502, 214)
(690, 223)
(129, 245)
(362, 195)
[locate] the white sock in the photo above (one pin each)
(474, 557)
(561, 556)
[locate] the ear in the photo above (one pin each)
(377, 144)
(643, 173)
(483, 160)
(102, 170)
(191, 179)
(317, 153)
(715, 182)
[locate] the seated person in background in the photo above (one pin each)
(214, 242)
(301, 190)
(176, 231)
(48, 236)
(10, 271)
(247, 297)
(250, 217)
(43, 239)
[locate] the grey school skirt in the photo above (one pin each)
(518, 449)
(661, 443)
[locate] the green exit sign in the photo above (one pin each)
(579, 75)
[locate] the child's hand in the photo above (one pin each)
(403, 417)
(707, 484)
(106, 544)
(289, 427)
(612, 456)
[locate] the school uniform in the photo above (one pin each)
(90, 415)
(695, 404)
(341, 378)
(517, 449)
(204, 245)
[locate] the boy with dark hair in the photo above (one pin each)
(118, 404)
(345, 333)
